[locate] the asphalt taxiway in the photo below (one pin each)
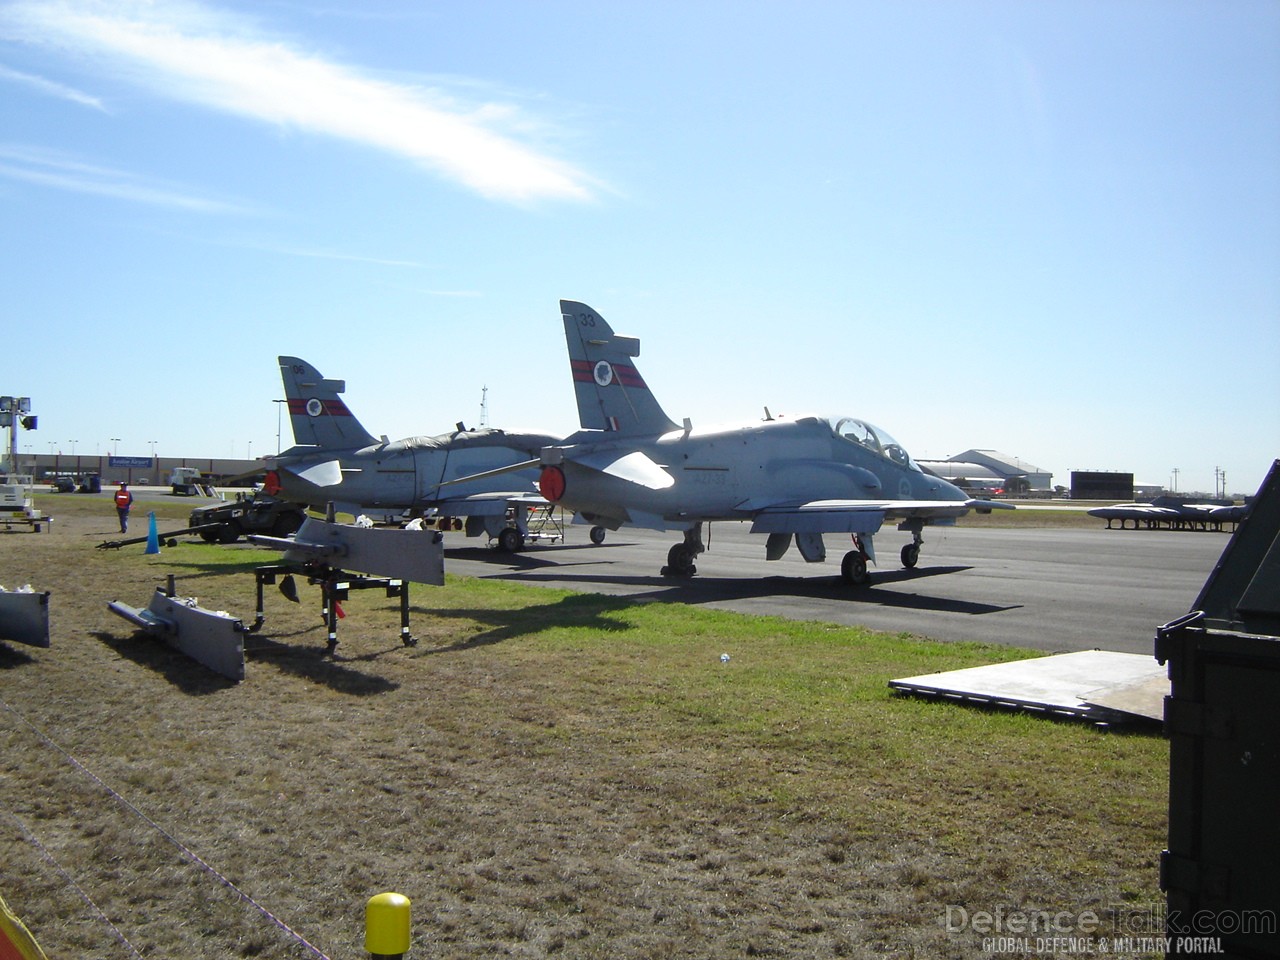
(1056, 590)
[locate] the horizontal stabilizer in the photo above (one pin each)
(211, 637)
(633, 467)
(24, 617)
(416, 555)
(326, 474)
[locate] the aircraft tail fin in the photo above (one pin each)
(610, 392)
(317, 414)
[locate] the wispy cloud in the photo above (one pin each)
(50, 169)
(318, 254)
(51, 88)
(188, 52)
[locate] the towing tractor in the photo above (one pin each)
(228, 521)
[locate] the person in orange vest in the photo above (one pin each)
(124, 500)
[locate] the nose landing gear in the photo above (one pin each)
(911, 552)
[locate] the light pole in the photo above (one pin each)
(248, 453)
(115, 445)
(279, 410)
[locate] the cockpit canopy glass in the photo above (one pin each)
(874, 439)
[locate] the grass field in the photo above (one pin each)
(545, 774)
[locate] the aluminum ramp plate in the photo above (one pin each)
(1094, 685)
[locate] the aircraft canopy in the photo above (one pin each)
(872, 438)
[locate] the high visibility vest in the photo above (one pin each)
(123, 498)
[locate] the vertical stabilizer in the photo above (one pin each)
(610, 392)
(317, 414)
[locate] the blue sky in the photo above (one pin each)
(1050, 229)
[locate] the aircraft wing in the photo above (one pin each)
(857, 516)
(486, 504)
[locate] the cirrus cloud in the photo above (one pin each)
(192, 53)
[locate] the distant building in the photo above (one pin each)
(966, 476)
(1101, 485)
(989, 470)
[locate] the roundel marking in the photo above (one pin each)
(551, 484)
(904, 489)
(603, 373)
(314, 407)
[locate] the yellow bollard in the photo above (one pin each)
(386, 926)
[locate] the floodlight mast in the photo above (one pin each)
(13, 412)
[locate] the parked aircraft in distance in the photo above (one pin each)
(335, 460)
(1173, 513)
(795, 479)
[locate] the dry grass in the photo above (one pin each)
(1034, 514)
(545, 774)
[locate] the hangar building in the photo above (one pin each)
(989, 469)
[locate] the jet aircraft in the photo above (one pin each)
(795, 479)
(336, 460)
(1173, 513)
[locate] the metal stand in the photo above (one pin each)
(335, 585)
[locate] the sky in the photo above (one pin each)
(1048, 229)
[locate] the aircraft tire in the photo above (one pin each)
(285, 525)
(598, 535)
(910, 556)
(853, 569)
(510, 540)
(680, 562)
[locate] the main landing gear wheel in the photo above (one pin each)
(680, 561)
(853, 569)
(597, 535)
(910, 555)
(510, 540)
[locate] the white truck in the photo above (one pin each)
(187, 482)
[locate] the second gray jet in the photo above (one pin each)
(794, 479)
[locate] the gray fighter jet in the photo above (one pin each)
(336, 460)
(795, 479)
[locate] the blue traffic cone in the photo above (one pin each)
(153, 538)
